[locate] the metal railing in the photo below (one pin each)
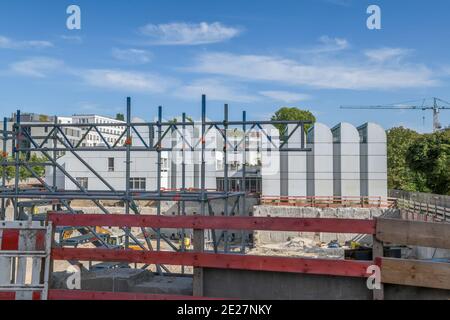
(329, 201)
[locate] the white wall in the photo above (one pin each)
(320, 161)
(373, 160)
(270, 157)
(143, 165)
(297, 179)
(346, 160)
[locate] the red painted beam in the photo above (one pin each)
(221, 261)
(94, 295)
(11, 295)
(7, 296)
(10, 239)
(223, 223)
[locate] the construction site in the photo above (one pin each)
(300, 214)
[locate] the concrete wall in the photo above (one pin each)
(263, 285)
(297, 179)
(270, 170)
(373, 160)
(346, 163)
(266, 237)
(320, 161)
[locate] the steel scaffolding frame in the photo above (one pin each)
(153, 143)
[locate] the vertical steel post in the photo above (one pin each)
(244, 178)
(225, 175)
(127, 170)
(17, 133)
(54, 155)
(199, 236)
(183, 183)
(158, 182)
(4, 167)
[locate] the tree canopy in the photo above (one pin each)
(292, 114)
(24, 173)
(429, 155)
(418, 162)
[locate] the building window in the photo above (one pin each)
(84, 182)
(111, 164)
(252, 184)
(164, 165)
(138, 184)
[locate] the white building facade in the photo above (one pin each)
(344, 161)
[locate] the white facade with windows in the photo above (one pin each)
(111, 166)
(110, 133)
(343, 162)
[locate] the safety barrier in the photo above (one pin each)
(428, 274)
(329, 201)
(24, 260)
(414, 210)
(418, 273)
(200, 259)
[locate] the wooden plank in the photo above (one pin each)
(10, 240)
(5, 266)
(222, 261)
(331, 225)
(198, 274)
(378, 252)
(7, 296)
(406, 232)
(94, 295)
(415, 273)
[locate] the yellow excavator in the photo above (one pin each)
(116, 239)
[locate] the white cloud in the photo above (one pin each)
(188, 33)
(134, 56)
(8, 43)
(318, 74)
(73, 39)
(285, 96)
(38, 67)
(386, 54)
(126, 80)
(332, 44)
(215, 90)
(326, 45)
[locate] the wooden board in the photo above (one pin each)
(347, 268)
(221, 223)
(419, 233)
(415, 273)
(93, 295)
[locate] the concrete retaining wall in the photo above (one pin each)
(266, 237)
(240, 284)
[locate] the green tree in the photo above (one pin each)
(400, 175)
(24, 173)
(292, 114)
(7, 170)
(188, 119)
(120, 117)
(429, 155)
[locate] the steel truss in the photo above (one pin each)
(24, 142)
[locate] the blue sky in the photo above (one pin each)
(254, 55)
